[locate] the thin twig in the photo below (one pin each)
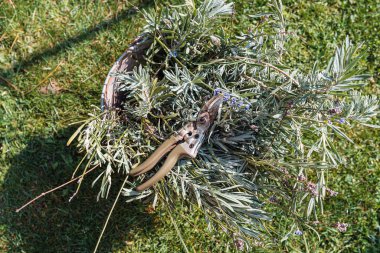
(50, 74)
(109, 215)
(177, 230)
(13, 43)
(9, 84)
(54, 189)
(81, 177)
(46, 77)
(2, 36)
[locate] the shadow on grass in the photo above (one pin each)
(52, 224)
(88, 34)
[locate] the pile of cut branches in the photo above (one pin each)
(274, 140)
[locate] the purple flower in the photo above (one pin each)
(273, 199)
(239, 243)
(335, 110)
(342, 227)
(312, 188)
(254, 128)
(226, 96)
(233, 101)
(247, 107)
(332, 193)
(298, 232)
(342, 120)
(301, 177)
(217, 91)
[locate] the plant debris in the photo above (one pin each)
(274, 118)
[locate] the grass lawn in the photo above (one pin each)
(54, 56)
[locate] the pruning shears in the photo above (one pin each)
(184, 143)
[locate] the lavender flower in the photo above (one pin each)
(342, 227)
(301, 177)
(342, 120)
(226, 96)
(254, 128)
(273, 199)
(312, 188)
(233, 100)
(335, 110)
(239, 243)
(298, 232)
(332, 193)
(216, 91)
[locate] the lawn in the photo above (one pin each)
(54, 56)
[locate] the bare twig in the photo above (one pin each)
(109, 214)
(54, 189)
(13, 43)
(46, 77)
(9, 84)
(2, 36)
(177, 229)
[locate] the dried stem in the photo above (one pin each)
(109, 214)
(54, 189)
(9, 84)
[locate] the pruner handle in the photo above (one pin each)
(177, 153)
(153, 159)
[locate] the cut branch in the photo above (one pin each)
(54, 189)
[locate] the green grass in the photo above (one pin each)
(74, 45)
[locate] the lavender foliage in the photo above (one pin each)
(277, 128)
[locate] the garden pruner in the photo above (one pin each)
(184, 143)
